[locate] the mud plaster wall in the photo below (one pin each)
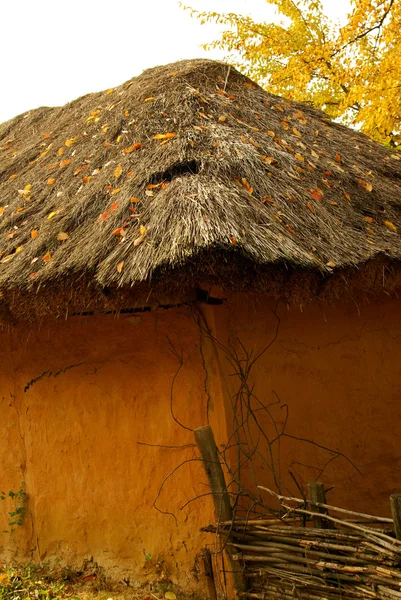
(76, 398)
(339, 371)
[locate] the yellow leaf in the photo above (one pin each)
(118, 171)
(296, 132)
(299, 157)
(110, 91)
(142, 230)
(60, 151)
(114, 192)
(51, 181)
(331, 264)
(52, 214)
(390, 226)
(2, 209)
(118, 140)
(149, 99)
(28, 187)
(222, 119)
(170, 596)
(34, 234)
(71, 141)
(62, 236)
(120, 266)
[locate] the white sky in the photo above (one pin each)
(54, 51)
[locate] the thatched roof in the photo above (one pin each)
(190, 173)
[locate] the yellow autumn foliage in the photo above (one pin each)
(351, 71)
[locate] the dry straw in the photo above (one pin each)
(188, 173)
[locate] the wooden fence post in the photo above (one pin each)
(222, 506)
(395, 503)
(317, 494)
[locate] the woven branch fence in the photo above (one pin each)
(314, 551)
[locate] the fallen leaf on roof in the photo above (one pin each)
(114, 192)
(331, 264)
(62, 236)
(390, 226)
(142, 230)
(164, 136)
(117, 171)
(2, 209)
(132, 148)
(120, 266)
(296, 132)
(47, 257)
(310, 207)
(367, 186)
(51, 181)
(139, 240)
(13, 176)
(71, 141)
(34, 234)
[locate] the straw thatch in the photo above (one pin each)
(184, 174)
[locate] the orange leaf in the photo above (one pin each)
(113, 206)
(346, 194)
(34, 234)
(65, 162)
(47, 136)
(51, 181)
(132, 148)
(367, 186)
(47, 257)
(268, 160)
(316, 195)
(62, 236)
(60, 151)
(32, 275)
(390, 226)
(164, 136)
(299, 157)
(104, 215)
(120, 266)
(296, 132)
(369, 219)
(106, 144)
(117, 231)
(271, 133)
(233, 240)
(114, 192)
(134, 199)
(338, 158)
(13, 176)
(310, 207)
